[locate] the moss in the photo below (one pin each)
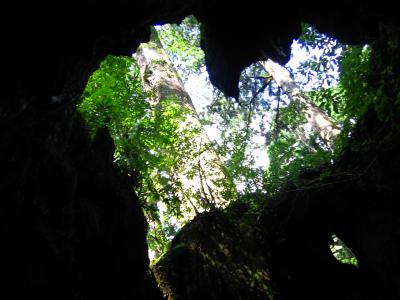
(212, 258)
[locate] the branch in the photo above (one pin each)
(277, 114)
(201, 174)
(316, 186)
(260, 90)
(259, 77)
(184, 195)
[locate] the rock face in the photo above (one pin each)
(71, 227)
(214, 257)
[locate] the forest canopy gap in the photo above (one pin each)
(191, 150)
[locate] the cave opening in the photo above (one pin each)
(190, 149)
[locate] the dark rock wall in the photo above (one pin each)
(71, 225)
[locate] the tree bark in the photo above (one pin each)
(314, 115)
(203, 181)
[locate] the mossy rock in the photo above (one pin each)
(213, 257)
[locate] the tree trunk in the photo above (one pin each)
(314, 115)
(201, 178)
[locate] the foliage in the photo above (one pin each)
(346, 100)
(235, 146)
(323, 62)
(150, 143)
(113, 97)
(342, 97)
(341, 252)
(182, 44)
(294, 147)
